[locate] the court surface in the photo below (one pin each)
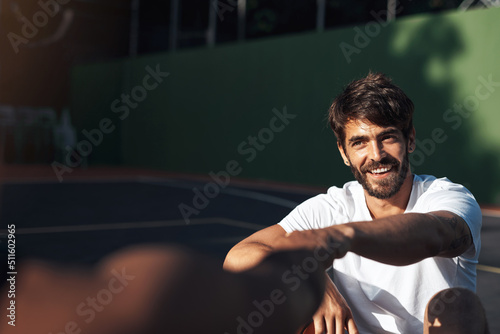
(97, 211)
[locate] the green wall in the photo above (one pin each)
(213, 99)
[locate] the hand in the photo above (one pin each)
(333, 315)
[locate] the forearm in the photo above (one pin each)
(255, 248)
(246, 255)
(401, 239)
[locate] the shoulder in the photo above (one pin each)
(438, 194)
(333, 207)
(350, 191)
(344, 198)
(428, 184)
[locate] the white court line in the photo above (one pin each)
(261, 197)
(489, 269)
(135, 225)
(235, 192)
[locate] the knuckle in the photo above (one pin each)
(318, 330)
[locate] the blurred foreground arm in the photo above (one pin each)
(334, 314)
(156, 289)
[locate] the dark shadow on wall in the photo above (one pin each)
(423, 63)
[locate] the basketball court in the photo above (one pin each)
(100, 210)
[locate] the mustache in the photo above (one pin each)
(386, 161)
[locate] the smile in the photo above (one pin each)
(380, 171)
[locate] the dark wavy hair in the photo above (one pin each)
(373, 98)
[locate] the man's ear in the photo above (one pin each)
(411, 141)
(342, 153)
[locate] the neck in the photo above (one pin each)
(380, 208)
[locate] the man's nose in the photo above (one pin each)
(376, 151)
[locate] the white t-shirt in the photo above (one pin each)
(386, 298)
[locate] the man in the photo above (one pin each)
(397, 238)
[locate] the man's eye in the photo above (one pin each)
(356, 143)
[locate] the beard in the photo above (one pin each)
(390, 185)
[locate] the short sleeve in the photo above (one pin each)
(317, 212)
(455, 198)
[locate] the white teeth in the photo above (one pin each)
(380, 170)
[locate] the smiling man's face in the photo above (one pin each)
(378, 157)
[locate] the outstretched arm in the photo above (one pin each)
(398, 240)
